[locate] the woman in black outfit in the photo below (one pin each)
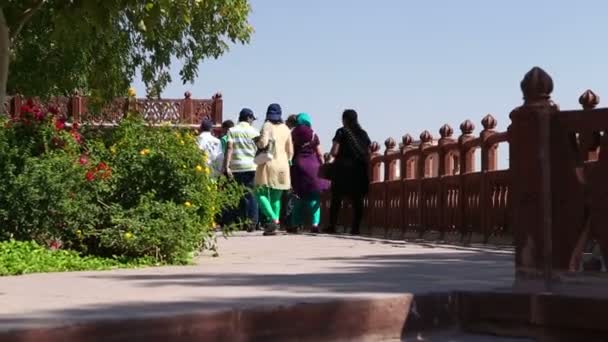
(350, 174)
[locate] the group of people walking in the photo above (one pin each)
(283, 163)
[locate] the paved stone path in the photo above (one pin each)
(254, 270)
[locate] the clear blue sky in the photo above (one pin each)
(406, 66)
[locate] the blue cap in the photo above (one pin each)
(274, 112)
(206, 124)
(246, 114)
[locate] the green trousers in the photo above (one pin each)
(311, 203)
(270, 202)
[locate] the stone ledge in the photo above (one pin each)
(358, 319)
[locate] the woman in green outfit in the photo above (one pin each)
(272, 178)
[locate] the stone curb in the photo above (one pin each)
(356, 319)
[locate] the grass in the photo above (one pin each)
(18, 257)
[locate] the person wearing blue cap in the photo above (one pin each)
(211, 146)
(272, 176)
(239, 165)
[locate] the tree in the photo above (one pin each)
(53, 47)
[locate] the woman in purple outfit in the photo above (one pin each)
(305, 182)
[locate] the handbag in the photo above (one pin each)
(265, 154)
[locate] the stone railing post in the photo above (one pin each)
(390, 171)
(489, 158)
(218, 107)
(589, 141)
(425, 168)
(188, 108)
(467, 156)
(375, 167)
(529, 163)
(16, 105)
(489, 154)
(76, 109)
(446, 165)
(408, 171)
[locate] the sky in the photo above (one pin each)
(405, 66)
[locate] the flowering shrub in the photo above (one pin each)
(137, 191)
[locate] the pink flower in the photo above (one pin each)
(55, 245)
(83, 160)
(39, 114)
(76, 136)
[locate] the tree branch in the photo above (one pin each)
(25, 17)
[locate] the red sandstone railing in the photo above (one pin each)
(182, 112)
(432, 187)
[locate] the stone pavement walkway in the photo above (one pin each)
(253, 270)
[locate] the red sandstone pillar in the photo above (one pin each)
(218, 107)
(488, 153)
(467, 156)
(425, 168)
(390, 170)
(408, 170)
(188, 109)
(529, 152)
(446, 164)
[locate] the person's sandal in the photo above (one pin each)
(271, 229)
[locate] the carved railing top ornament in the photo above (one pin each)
(446, 131)
(426, 137)
(390, 144)
(488, 122)
(374, 147)
(467, 127)
(589, 99)
(407, 140)
(537, 85)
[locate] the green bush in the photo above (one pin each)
(21, 257)
(138, 191)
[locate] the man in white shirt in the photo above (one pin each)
(211, 146)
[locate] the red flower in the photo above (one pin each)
(60, 124)
(76, 136)
(39, 115)
(75, 125)
(83, 160)
(25, 109)
(90, 176)
(54, 245)
(102, 166)
(53, 109)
